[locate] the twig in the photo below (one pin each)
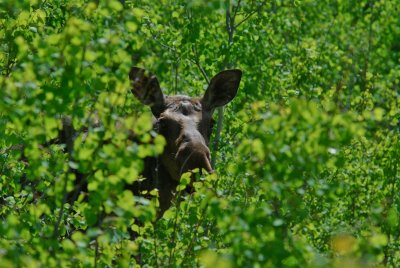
(203, 72)
(236, 9)
(196, 61)
(195, 231)
(155, 249)
(230, 27)
(61, 213)
(250, 14)
(217, 135)
(70, 146)
(171, 252)
(230, 21)
(155, 37)
(176, 67)
(96, 253)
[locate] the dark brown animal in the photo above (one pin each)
(186, 123)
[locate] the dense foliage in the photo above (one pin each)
(307, 164)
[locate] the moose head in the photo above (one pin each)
(185, 122)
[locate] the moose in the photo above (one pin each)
(186, 124)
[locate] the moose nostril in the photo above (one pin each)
(185, 138)
(186, 108)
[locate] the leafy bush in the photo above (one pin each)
(307, 171)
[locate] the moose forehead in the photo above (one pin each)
(183, 104)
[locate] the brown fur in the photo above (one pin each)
(186, 123)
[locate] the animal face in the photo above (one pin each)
(185, 122)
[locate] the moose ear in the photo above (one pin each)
(146, 88)
(222, 89)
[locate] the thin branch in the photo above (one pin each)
(155, 36)
(203, 72)
(196, 61)
(250, 14)
(61, 212)
(236, 10)
(171, 252)
(217, 135)
(229, 25)
(230, 29)
(195, 231)
(176, 67)
(196, 58)
(96, 253)
(155, 249)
